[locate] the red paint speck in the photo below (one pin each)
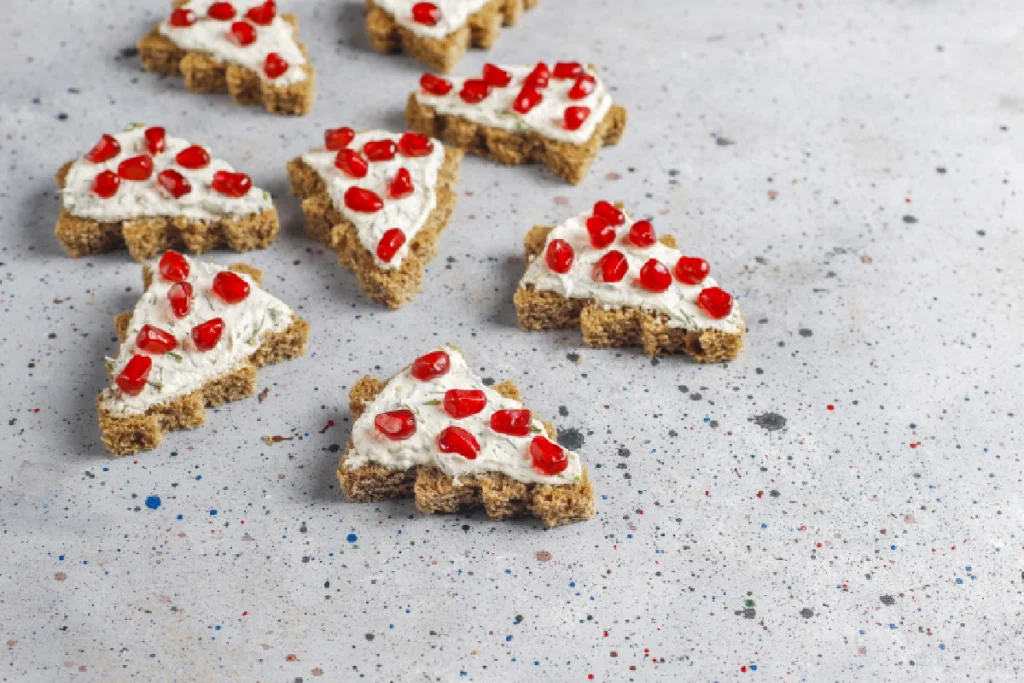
(915, 444)
(743, 669)
(830, 406)
(760, 494)
(590, 677)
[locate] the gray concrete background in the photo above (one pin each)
(851, 171)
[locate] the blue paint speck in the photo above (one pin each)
(351, 538)
(213, 513)
(153, 502)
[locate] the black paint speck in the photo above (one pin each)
(804, 332)
(573, 357)
(769, 421)
(488, 381)
(714, 424)
(624, 452)
(759, 371)
(570, 438)
(888, 600)
(807, 613)
(695, 397)
(723, 142)
(909, 219)
(128, 52)
(334, 448)
(370, 636)
(683, 388)
(62, 116)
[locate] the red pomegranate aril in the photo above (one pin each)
(242, 33)
(716, 302)
(435, 85)
(413, 144)
(641, 234)
(397, 425)
(173, 267)
(105, 184)
(426, 13)
(230, 287)
(156, 140)
(176, 184)
(583, 86)
(458, 440)
(389, 244)
(338, 138)
(262, 14)
(460, 403)
(474, 90)
(431, 365)
(380, 150)
(609, 212)
(601, 234)
(107, 148)
(564, 70)
(182, 18)
(136, 168)
(180, 298)
(611, 267)
(559, 256)
(193, 157)
(351, 163)
(155, 341)
(132, 379)
(401, 185)
(575, 116)
(235, 185)
(275, 66)
(363, 201)
(539, 77)
(691, 270)
(512, 422)
(221, 11)
(527, 99)
(495, 76)
(654, 276)
(548, 457)
(206, 335)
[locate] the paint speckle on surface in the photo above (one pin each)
(153, 502)
(769, 421)
(351, 538)
(543, 556)
(571, 438)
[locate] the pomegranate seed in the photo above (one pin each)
(351, 163)
(235, 185)
(221, 11)
(559, 256)
(154, 340)
(601, 234)
(398, 425)
(275, 66)
(611, 267)
(262, 14)
(496, 77)
(156, 140)
(389, 244)
(180, 298)
(642, 234)
(364, 201)
(583, 86)
(458, 440)
(230, 286)
(430, 366)
(691, 270)
(338, 138)
(193, 157)
(401, 185)
(132, 379)
(136, 168)
(610, 213)
(206, 335)
(564, 70)
(460, 403)
(717, 303)
(512, 422)
(654, 276)
(105, 184)
(474, 90)
(575, 116)
(426, 13)
(380, 150)
(527, 99)
(435, 85)
(548, 458)
(107, 148)
(242, 33)
(175, 183)
(182, 18)
(415, 144)
(173, 267)
(538, 78)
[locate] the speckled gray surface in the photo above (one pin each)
(843, 502)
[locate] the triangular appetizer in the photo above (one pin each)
(195, 339)
(623, 285)
(242, 47)
(559, 116)
(381, 200)
(150, 191)
(436, 432)
(438, 33)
